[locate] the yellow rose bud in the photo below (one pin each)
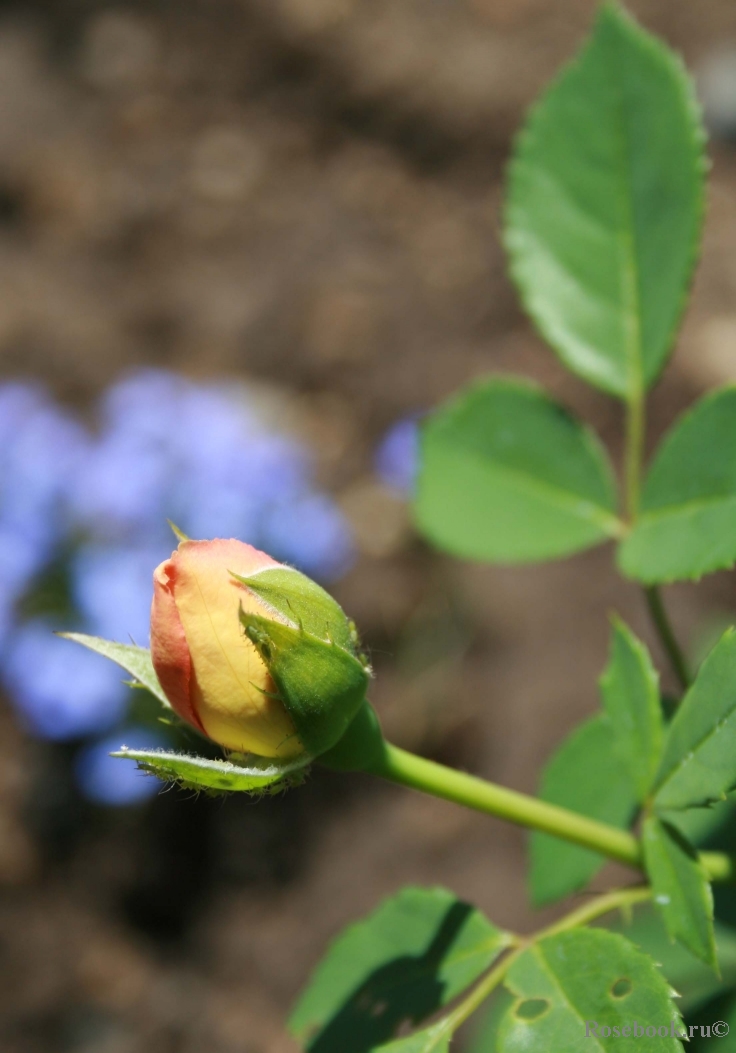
(252, 653)
(211, 673)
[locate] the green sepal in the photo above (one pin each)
(362, 746)
(257, 775)
(305, 603)
(134, 660)
(177, 532)
(321, 685)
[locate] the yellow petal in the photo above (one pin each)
(232, 691)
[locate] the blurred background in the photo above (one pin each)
(244, 246)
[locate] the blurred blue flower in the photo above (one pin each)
(40, 448)
(120, 488)
(194, 454)
(214, 429)
(60, 690)
(114, 781)
(146, 404)
(397, 456)
(206, 508)
(313, 534)
(112, 589)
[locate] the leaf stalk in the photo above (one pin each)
(667, 636)
(634, 452)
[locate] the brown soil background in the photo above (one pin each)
(306, 194)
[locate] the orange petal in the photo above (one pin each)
(169, 649)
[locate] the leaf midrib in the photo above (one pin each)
(667, 849)
(552, 976)
(530, 484)
(691, 507)
(630, 264)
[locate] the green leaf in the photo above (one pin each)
(630, 691)
(485, 1032)
(699, 761)
(687, 519)
(255, 775)
(435, 1039)
(508, 475)
(303, 602)
(579, 978)
(701, 825)
(586, 775)
(605, 206)
(695, 982)
(414, 954)
(321, 685)
(681, 890)
(135, 660)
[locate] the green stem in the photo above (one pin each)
(616, 900)
(634, 453)
(479, 994)
(667, 636)
(427, 776)
(718, 866)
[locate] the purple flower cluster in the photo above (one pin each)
(97, 502)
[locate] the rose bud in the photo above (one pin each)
(253, 653)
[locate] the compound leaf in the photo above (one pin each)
(605, 206)
(509, 476)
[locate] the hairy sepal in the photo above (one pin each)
(321, 684)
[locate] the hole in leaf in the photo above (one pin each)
(621, 988)
(532, 1008)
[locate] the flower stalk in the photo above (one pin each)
(426, 776)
